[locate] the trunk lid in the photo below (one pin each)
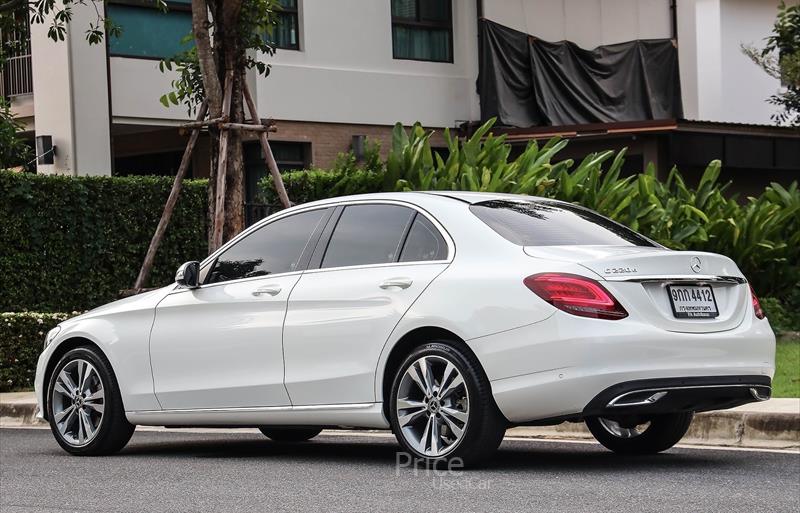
(639, 278)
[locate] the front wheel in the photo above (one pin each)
(636, 435)
(442, 409)
(85, 407)
(289, 434)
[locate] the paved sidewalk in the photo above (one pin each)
(774, 423)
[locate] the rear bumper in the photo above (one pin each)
(670, 395)
(558, 368)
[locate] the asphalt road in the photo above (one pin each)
(240, 472)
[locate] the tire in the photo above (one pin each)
(466, 406)
(96, 425)
(663, 432)
(289, 434)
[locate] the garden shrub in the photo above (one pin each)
(21, 340)
(72, 243)
(762, 234)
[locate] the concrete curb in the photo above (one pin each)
(730, 428)
(774, 424)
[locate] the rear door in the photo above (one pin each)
(378, 259)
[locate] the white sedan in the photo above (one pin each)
(447, 317)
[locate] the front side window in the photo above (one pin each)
(547, 223)
(368, 234)
(422, 30)
(272, 249)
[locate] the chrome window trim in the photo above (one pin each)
(451, 247)
(209, 260)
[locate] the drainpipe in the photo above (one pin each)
(467, 127)
(673, 10)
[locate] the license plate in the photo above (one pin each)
(692, 301)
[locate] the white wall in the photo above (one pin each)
(589, 23)
(136, 86)
(70, 90)
(718, 82)
(745, 86)
(345, 71)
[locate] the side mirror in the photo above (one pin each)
(188, 275)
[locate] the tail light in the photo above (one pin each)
(756, 304)
(576, 294)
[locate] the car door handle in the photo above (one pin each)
(401, 283)
(272, 290)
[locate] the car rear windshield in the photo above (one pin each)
(545, 223)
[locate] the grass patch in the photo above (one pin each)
(787, 371)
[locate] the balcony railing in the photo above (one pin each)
(16, 77)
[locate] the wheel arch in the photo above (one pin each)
(63, 348)
(406, 344)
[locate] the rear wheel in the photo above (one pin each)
(442, 409)
(85, 407)
(638, 435)
(289, 434)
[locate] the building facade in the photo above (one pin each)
(349, 68)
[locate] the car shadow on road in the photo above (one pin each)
(512, 455)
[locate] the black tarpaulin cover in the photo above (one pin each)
(526, 82)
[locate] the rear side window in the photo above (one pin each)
(544, 223)
(274, 248)
(424, 242)
(367, 234)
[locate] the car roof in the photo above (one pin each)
(463, 196)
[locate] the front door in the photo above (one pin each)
(220, 345)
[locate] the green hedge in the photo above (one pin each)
(315, 184)
(73, 243)
(21, 340)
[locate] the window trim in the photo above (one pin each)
(322, 242)
(305, 255)
(315, 265)
(420, 24)
(295, 11)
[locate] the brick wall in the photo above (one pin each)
(329, 139)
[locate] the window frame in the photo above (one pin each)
(315, 264)
(208, 263)
(143, 4)
(420, 24)
(295, 12)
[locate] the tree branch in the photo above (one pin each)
(12, 5)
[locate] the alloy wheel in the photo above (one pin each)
(623, 431)
(78, 402)
(432, 406)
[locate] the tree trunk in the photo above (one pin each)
(229, 57)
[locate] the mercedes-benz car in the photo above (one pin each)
(446, 317)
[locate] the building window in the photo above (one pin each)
(147, 32)
(422, 30)
(286, 33)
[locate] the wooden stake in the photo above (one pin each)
(247, 128)
(268, 156)
(172, 200)
(219, 210)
